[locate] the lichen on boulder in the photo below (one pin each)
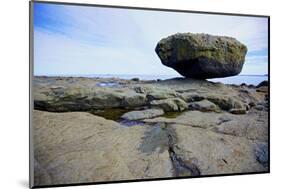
(202, 55)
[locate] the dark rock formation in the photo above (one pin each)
(201, 55)
(262, 84)
(261, 152)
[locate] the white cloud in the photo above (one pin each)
(57, 54)
(256, 65)
(93, 40)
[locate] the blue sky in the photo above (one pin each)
(91, 40)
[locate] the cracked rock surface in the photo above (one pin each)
(92, 130)
(80, 147)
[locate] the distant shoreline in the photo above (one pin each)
(239, 79)
(132, 75)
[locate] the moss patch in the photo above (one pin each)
(172, 114)
(110, 113)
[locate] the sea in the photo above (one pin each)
(237, 80)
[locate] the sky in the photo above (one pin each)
(82, 40)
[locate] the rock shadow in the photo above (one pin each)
(157, 138)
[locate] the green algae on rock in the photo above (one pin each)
(202, 55)
(110, 113)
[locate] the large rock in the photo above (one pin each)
(263, 83)
(79, 147)
(227, 103)
(83, 98)
(214, 153)
(202, 55)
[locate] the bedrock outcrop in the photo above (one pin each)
(202, 55)
(109, 129)
(65, 94)
(78, 147)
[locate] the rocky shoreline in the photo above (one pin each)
(108, 129)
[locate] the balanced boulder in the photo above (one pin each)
(202, 55)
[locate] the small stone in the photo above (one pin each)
(259, 107)
(141, 90)
(142, 114)
(57, 87)
(135, 79)
(203, 106)
(238, 111)
(133, 99)
(224, 102)
(170, 105)
(263, 89)
(160, 94)
(191, 97)
(251, 86)
(261, 152)
(251, 104)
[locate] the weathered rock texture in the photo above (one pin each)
(79, 147)
(171, 128)
(202, 55)
(142, 114)
(58, 94)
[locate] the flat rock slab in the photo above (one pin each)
(142, 114)
(170, 104)
(56, 94)
(253, 126)
(214, 153)
(204, 106)
(79, 147)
